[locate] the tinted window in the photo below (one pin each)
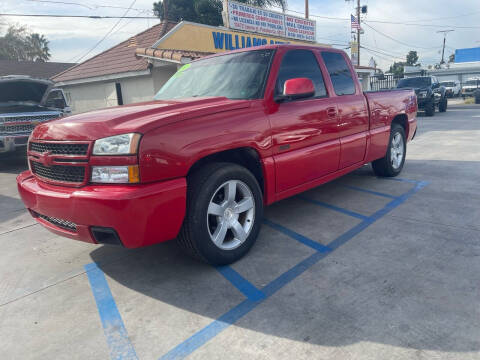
(236, 76)
(415, 82)
(339, 73)
(301, 64)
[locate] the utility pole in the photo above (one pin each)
(445, 32)
(306, 9)
(358, 31)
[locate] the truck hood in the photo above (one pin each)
(140, 118)
(20, 90)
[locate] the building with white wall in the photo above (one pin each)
(117, 76)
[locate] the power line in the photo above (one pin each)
(392, 22)
(81, 16)
(108, 33)
(383, 53)
(397, 41)
(89, 6)
(311, 15)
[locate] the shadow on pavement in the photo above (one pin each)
(395, 283)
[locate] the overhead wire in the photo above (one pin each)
(108, 33)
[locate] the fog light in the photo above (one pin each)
(115, 174)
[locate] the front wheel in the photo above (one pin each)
(224, 213)
(442, 107)
(392, 163)
(430, 108)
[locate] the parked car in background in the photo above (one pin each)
(430, 94)
(470, 86)
(227, 135)
(452, 88)
(24, 103)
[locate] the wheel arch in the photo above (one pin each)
(402, 120)
(247, 157)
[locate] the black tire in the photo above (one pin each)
(194, 237)
(384, 167)
(442, 107)
(430, 108)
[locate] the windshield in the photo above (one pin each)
(417, 82)
(235, 76)
(472, 82)
(448, 83)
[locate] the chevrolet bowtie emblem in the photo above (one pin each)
(46, 158)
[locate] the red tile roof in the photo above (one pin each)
(118, 59)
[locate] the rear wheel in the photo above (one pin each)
(224, 214)
(442, 107)
(392, 163)
(430, 108)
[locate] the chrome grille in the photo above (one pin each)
(63, 173)
(19, 128)
(64, 224)
(59, 148)
(33, 117)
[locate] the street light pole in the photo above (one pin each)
(445, 32)
(358, 32)
(306, 9)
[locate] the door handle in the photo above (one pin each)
(331, 112)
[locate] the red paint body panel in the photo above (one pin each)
(299, 144)
(141, 214)
(298, 86)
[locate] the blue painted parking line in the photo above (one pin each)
(335, 208)
(232, 316)
(400, 180)
(118, 342)
(242, 284)
(369, 191)
(294, 235)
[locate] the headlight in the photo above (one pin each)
(422, 94)
(115, 174)
(126, 144)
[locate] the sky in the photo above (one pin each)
(387, 41)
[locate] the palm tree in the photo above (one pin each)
(17, 44)
(203, 11)
(38, 49)
(266, 3)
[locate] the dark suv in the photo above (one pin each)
(430, 93)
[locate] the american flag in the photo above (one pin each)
(354, 22)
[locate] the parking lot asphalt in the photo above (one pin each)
(360, 268)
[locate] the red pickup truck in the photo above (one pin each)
(227, 135)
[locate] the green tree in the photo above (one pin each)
(38, 49)
(20, 45)
(412, 58)
(397, 68)
(202, 11)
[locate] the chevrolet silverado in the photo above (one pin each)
(227, 135)
(24, 103)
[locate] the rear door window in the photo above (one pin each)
(339, 72)
(301, 64)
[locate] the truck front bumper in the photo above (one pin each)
(136, 215)
(422, 102)
(11, 142)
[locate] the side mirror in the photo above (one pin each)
(297, 88)
(59, 103)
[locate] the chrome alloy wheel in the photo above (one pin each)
(231, 214)
(397, 151)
